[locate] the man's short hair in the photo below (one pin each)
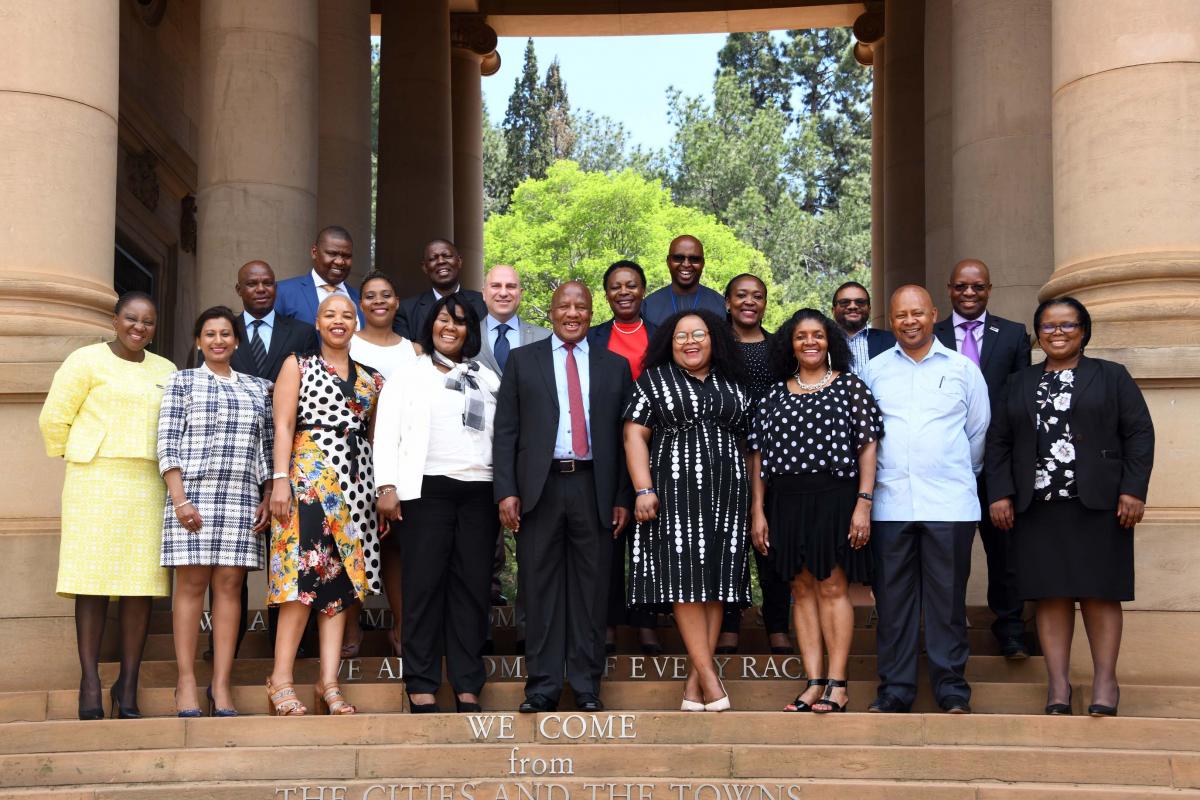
(334, 232)
(851, 285)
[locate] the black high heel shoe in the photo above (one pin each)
(422, 708)
(87, 714)
(1097, 710)
(1062, 709)
(827, 698)
(118, 712)
(463, 706)
(798, 704)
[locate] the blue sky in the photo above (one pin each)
(623, 77)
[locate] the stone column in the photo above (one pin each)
(344, 123)
(58, 174)
(473, 50)
(939, 153)
(869, 51)
(414, 200)
(257, 165)
(1003, 195)
(904, 187)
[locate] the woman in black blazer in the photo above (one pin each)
(1068, 461)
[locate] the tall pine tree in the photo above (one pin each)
(757, 62)
(558, 114)
(526, 141)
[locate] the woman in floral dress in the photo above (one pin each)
(324, 549)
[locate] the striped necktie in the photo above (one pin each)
(257, 349)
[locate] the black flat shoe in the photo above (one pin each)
(886, 704)
(122, 713)
(1097, 710)
(422, 708)
(465, 707)
(956, 705)
(798, 704)
(1013, 648)
(589, 703)
(826, 699)
(536, 704)
(1061, 709)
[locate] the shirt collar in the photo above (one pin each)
(936, 348)
(861, 332)
(268, 320)
(318, 281)
(493, 323)
(557, 343)
(438, 295)
(957, 319)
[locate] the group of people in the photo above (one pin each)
(382, 445)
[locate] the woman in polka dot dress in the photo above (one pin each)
(687, 419)
(324, 550)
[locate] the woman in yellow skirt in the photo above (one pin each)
(101, 415)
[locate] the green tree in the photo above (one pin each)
(757, 61)
(558, 114)
(495, 190)
(572, 224)
(526, 141)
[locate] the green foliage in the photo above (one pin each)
(495, 161)
(558, 114)
(758, 62)
(526, 128)
(572, 224)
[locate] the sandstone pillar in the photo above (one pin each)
(1003, 196)
(904, 153)
(58, 173)
(473, 52)
(257, 165)
(344, 123)
(414, 200)
(939, 154)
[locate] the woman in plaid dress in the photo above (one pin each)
(215, 435)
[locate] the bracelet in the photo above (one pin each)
(181, 505)
(867, 496)
(279, 475)
(650, 490)
(382, 490)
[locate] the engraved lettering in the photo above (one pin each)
(793, 661)
(482, 725)
(637, 668)
(386, 670)
(258, 622)
(747, 672)
(721, 662)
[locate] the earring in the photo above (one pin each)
(829, 359)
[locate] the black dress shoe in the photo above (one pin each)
(1013, 648)
(956, 705)
(499, 599)
(537, 704)
(588, 702)
(886, 704)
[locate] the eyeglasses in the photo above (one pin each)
(680, 258)
(1065, 327)
(696, 336)
(976, 287)
(846, 302)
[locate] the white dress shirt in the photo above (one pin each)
(935, 420)
(960, 333)
(562, 441)
(264, 331)
(318, 282)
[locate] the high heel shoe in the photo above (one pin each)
(798, 704)
(118, 712)
(721, 703)
(93, 713)
(422, 708)
(283, 700)
(330, 698)
(213, 711)
(186, 713)
(465, 706)
(826, 699)
(691, 705)
(1097, 710)
(1062, 709)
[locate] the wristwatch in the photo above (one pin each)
(867, 496)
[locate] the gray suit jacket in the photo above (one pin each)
(530, 333)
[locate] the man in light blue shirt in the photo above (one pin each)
(935, 417)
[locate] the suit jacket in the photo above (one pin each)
(1112, 430)
(288, 336)
(527, 424)
(1005, 349)
(602, 333)
(880, 340)
(410, 318)
(297, 298)
(529, 334)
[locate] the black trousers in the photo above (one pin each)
(776, 601)
(446, 541)
(1002, 596)
(563, 557)
(921, 569)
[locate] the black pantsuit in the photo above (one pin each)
(922, 568)
(1003, 597)
(560, 548)
(446, 540)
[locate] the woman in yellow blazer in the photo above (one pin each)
(101, 415)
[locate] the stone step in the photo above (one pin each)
(753, 695)
(992, 669)
(549, 763)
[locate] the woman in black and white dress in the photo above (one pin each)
(686, 425)
(215, 433)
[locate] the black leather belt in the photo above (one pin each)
(568, 465)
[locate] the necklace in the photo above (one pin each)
(812, 387)
(617, 327)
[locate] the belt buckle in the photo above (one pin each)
(565, 461)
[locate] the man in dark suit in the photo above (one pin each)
(441, 263)
(1000, 347)
(332, 257)
(852, 313)
(560, 479)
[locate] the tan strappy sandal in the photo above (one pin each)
(333, 701)
(283, 701)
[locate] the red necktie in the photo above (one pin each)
(579, 437)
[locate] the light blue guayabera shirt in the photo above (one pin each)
(935, 419)
(562, 441)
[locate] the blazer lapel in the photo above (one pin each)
(1085, 373)
(991, 332)
(546, 362)
(279, 336)
(1029, 382)
(310, 298)
(944, 331)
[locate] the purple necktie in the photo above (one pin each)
(970, 348)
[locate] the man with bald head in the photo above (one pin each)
(925, 507)
(441, 264)
(267, 337)
(685, 261)
(1000, 347)
(558, 466)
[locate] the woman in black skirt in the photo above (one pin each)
(1068, 463)
(812, 473)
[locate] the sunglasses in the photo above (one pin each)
(846, 302)
(680, 258)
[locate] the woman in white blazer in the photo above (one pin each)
(433, 470)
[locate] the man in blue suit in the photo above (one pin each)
(852, 313)
(332, 257)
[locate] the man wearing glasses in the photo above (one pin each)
(999, 347)
(852, 313)
(685, 260)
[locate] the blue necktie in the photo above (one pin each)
(501, 348)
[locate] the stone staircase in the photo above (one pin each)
(640, 749)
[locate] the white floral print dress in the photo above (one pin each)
(1054, 478)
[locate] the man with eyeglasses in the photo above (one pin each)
(852, 313)
(685, 260)
(999, 347)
